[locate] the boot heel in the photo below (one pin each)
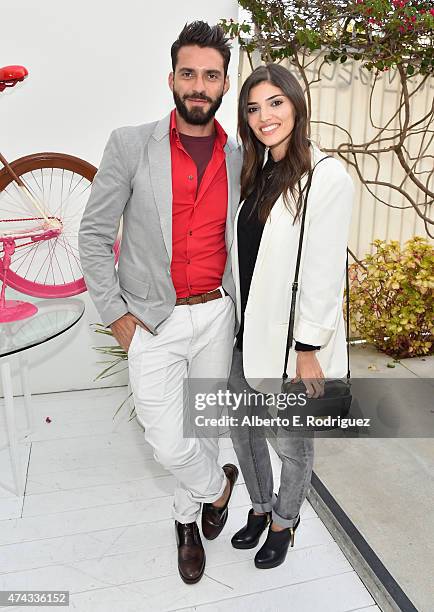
(273, 551)
(292, 533)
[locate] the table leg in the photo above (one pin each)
(25, 386)
(14, 450)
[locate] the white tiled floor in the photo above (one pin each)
(96, 520)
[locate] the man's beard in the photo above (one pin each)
(197, 116)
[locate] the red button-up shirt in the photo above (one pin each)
(198, 217)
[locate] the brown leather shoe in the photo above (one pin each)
(191, 555)
(214, 519)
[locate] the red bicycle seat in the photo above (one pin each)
(10, 75)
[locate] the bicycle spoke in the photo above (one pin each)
(51, 184)
(69, 248)
(35, 278)
(51, 265)
(70, 182)
(38, 192)
(70, 219)
(69, 260)
(14, 203)
(22, 201)
(42, 183)
(48, 266)
(48, 262)
(24, 255)
(36, 181)
(31, 261)
(65, 192)
(66, 199)
(30, 186)
(61, 195)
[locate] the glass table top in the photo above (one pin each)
(53, 318)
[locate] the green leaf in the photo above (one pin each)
(123, 403)
(110, 367)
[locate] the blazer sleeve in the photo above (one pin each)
(110, 191)
(325, 241)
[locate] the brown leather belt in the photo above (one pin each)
(201, 298)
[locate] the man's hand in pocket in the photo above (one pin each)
(123, 329)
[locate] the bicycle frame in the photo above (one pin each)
(51, 228)
(42, 199)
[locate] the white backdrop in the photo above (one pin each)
(93, 66)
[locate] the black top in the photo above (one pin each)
(249, 234)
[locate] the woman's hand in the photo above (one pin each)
(309, 371)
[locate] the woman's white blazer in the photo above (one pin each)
(319, 314)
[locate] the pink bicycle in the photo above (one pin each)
(42, 199)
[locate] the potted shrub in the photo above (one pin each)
(391, 298)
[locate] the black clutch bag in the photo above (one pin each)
(320, 413)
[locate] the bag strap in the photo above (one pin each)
(290, 337)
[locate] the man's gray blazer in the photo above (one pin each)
(135, 181)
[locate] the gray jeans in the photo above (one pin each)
(251, 447)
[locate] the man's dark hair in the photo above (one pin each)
(202, 34)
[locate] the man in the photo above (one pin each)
(170, 304)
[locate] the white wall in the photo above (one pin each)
(94, 65)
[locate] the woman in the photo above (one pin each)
(272, 120)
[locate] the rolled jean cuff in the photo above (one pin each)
(264, 506)
(282, 521)
(181, 518)
(190, 518)
(212, 498)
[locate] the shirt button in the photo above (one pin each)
(190, 177)
(188, 261)
(190, 233)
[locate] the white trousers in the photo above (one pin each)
(194, 342)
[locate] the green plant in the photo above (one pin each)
(118, 356)
(375, 42)
(382, 34)
(392, 297)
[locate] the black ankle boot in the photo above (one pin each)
(273, 552)
(248, 536)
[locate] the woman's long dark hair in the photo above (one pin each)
(297, 160)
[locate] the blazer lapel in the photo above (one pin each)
(233, 170)
(160, 164)
(232, 205)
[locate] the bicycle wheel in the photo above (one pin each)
(47, 268)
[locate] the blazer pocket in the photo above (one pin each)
(133, 285)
